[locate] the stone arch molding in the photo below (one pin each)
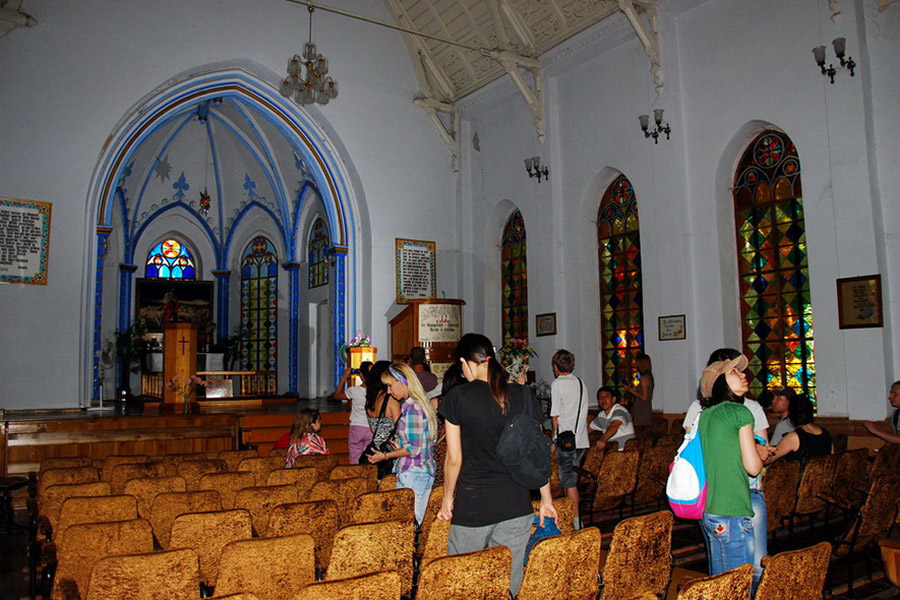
(310, 136)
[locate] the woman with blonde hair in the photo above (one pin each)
(416, 431)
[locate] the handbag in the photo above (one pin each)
(524, 449)
(565, 440)
(386, 466)
(548, 529)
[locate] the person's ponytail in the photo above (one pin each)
(497, 377)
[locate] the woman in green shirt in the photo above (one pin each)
(729, 455)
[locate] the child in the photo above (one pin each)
(305, 438)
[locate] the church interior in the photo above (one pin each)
(233, 202)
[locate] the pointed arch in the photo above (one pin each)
(621, 299)
(772, 265)
(319, 242)
(514, 279)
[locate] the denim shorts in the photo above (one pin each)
(565, 460)
(729, 541)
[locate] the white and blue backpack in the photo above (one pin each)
(686, 485)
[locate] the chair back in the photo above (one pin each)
(171, 461)
(94, 509)
(850, 477)
(317, 519)
(64, 462)
(323, 463)
(168, 506)
(730, 584)
(435, 498)
(279, 452)
(51, 501)
(124, 473)
(233, 458)
(302, 479)
(366, 471)
(876, 516)
(228, 484)
(576, 554)
(433, 544)
(113, 461)
(565, 510)
(616, 479)
(392, 505)
(344, 492)
(269, 568)
(83, 545)
(383, 585)
(261, 467)
(795, 575)
(887, 460)
(780, 489)
(360, 549)
(65, 476)
(208, 533)
(193, 470)
(652, 473)
(145, 489)
(639, 558)
(388, 482)
(815, 481)
(482, 575)
(152, 576)
(261, 500)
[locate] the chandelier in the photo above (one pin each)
(317, 86)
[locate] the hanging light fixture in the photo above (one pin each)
(318, 86)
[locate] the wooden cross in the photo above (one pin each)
(183, 341)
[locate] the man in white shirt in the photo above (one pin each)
(781, 400)
(568, 411)
(614, 420)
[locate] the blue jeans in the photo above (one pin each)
(760, 533)
(729, 541)
(419, 481)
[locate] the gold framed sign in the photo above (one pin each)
(24, 241)
(859, 302)
(416, 272)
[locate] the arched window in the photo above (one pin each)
(772, 266)
(318, 244)
(259, 304)
(621, 302)
(514, 280)
(170, 259)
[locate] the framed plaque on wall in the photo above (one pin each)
(416, 272)
(24, 241)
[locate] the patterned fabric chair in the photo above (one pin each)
(639, 557)
(614, 482)
(269, 568)
(795, 575)
(388, 482)
(94, 509)
(171, 461)
(228, 484)
(111, 462)
(344, 492)
(193, 470)
(482, 575)
(168, 506)
(651, 478)
(565, 510)
(318, 519)
(780, 489)
(233, 458)
(383, 585)
(64, 462)
(323, 463)
(366, 471)
(850, 482)
(83, 545)
(730, 584)
(434, 544)
(146, 489)
(152, 576)
(124, 473)
(208, 533)
(260, 501)
(302, 479)
(64, 476)
(54, 496)
(377, 507)
(815, 483)
(577, 555)
(360, 549)
(261, 467)
(435, 498)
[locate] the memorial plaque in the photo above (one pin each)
(440, 323)
(24, 241)
(416, 276)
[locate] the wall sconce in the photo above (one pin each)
(840, 49)
(536, 169)
(660, 128)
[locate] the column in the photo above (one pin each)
(223, 294)
(293, 271)
(126, 277)
(102, 235)
(339, 258)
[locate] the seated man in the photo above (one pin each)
(614, 420)
(782, 398)
(893, 436)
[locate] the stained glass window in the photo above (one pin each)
(514, 280)
(772, 266)
(621, 302)
(170, 259)
(259, 304)
(318, 245)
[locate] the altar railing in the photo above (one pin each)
(220, 384)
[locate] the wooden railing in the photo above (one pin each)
(244, 383)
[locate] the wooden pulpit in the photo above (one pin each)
(435, 325)
(179, 359)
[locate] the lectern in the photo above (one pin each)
(435, 325)
(179, 359)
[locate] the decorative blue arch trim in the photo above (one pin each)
(179, 204)
(243, 213)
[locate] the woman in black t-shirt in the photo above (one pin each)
(485, 506)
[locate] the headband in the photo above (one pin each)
(397, 375)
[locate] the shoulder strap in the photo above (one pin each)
(580, 394)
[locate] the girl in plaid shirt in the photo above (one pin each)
(416, 431)
(305, 438)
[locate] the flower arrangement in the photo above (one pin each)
(185, 387)
(360, 340)
(514, 355)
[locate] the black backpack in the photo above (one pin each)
(523, 448)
